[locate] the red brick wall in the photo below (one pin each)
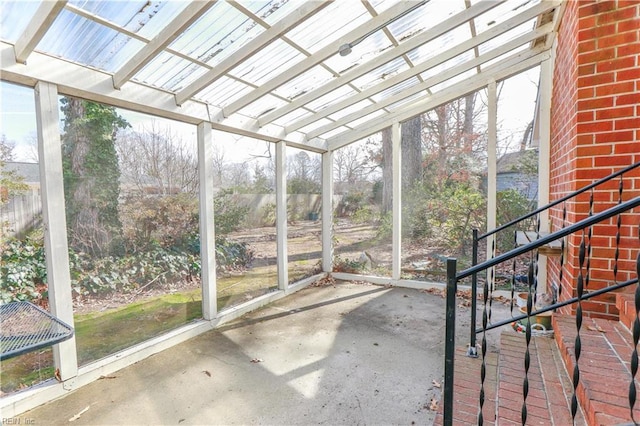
(595, 131)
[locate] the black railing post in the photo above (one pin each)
(473, 350)
(449, 344)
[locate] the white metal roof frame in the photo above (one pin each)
(315, 74)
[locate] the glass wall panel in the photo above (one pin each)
(443, 158)
(131, 194)
(23, 274)
(362, 207)
(245, 219)
(304, 204)
(447, 198)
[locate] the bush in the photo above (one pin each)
(229, 216)
(167, 222)
(512, 205)
(232, 255)
(364, 214)
(154, 268)
(446, 216)
(23, 270)
(350, 203)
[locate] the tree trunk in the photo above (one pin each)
(441, 126)
(387, 172)
(411, 152)
(467, 130)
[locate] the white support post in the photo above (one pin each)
(207, 222)
(396, 200)
(327, 211)
(281, 215)
(492, 186)
(544, 159)
(54, 223)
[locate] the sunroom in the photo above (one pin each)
(198, 160)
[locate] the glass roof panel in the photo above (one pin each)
(407, 100)
(131, 15)
(366, 118)
(80, 40)
(335, 20)
(224, 91)
(352, 108)
(267, 63)
(221, 31)
(154, 22)
(144, 17)
(440, 44)
(403, 85)
(447, 65)
(456, 79)
(370, 48)
(270, 11)
(509, 35)
(381, 73)
(502, 13)
(304, 83)
(293, 116)
(330, 98)
(505, 55)
(14, 17)
(334, 132)
(262, 106)
(169, 72)
(425, 17)
(316, 124)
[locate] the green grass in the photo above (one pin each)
(101, 333)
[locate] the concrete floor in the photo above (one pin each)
(353, 354)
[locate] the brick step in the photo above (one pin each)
(467, 390)
(626, 306)
(550, 390)
(549, 395)
(606, 350)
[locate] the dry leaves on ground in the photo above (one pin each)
(325, 281)
(465, 295)
(433, 404)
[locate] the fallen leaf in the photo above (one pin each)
(436, 383)
(106, 377)
(206, 372)
(255, 360)
(433, 405)
(57, 375)
(77, 416)
(595, 328)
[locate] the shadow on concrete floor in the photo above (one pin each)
(352, 354)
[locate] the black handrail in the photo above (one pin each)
(557, 305)
(560, 200)
(453, 278)
(584, 223)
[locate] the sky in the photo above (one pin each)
(18, 120)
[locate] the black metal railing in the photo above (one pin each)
(531, 249)
(477, 239)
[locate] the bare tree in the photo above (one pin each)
(155, 160)
(352, 164)
(451, 141)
